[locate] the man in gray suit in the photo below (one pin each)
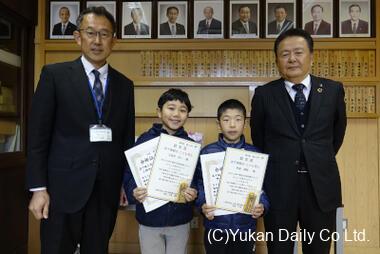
(136, 27)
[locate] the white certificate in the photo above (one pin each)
(212, 165)
(140, 160)
(241, 180)
(173, 168)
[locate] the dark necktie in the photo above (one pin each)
(300, 99)
(98, 88)
(354, 28)
(278, 28)
(63, 29)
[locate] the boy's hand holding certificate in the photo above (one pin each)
(241, 180)
(140, 160)
(173, 168)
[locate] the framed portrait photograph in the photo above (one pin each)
(63, 17)
(355, 18)
(208, 19)
(5, 29)
(280, 17)
(244, 19)
(317, 17)
(110, 6)
(172, 19)
(137, 20)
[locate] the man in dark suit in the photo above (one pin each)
(81, 121)
(65, 27)
(355, 25)
(171, 27)
(300, 121)
(280, 24)
(209, 25)
(317, 26)
(243, 25)
(136, 27)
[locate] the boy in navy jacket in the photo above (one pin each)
(231, 121)
(166, 229)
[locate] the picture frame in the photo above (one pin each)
(317, 18)
(110, 6)
(63, 11)
(355, 18)
(280, 17)
(175, 12)
(208, 19)
(246, 12)
(136, 20)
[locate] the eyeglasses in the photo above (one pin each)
(91, 33)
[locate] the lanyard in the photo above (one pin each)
(99, 108)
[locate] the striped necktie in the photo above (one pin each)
(98, 88)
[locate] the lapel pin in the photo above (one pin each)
(320, 89)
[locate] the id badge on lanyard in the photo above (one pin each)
(99, 132)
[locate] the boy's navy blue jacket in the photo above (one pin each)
(170, 214)
(237, 221)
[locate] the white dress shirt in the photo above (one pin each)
(306, 91)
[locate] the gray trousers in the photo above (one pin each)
(164, 240)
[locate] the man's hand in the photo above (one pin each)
(140, 194)
(208, 211)
(123, 198)
(190, 194)
(258, 210)
(39, 204)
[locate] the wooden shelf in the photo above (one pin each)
(232, 81)
(215, 44)
(362, 115)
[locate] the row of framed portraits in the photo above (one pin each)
(221, 19)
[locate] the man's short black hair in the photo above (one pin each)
(315, 6)
(231, 104)
(175, 94)
(98, 11)
(64, 8)
(244, 6)
(171, 7)
(280, 7)
(294, 32)
(354, 5)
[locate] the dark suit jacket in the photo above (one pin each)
(274, 131)
(60, 155)
(361, 29)
(238, 28)
(323, 29)
(272, 26)
(215, 27)
(165, 29)
(130, 29)
(57, 29)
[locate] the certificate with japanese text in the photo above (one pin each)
(173, 168)
(241, 180)
(212, 165)
(140, 160)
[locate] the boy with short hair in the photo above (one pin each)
(231, 122)
(164, 230)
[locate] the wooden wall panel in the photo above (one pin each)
(358, 161)
(205, 100)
